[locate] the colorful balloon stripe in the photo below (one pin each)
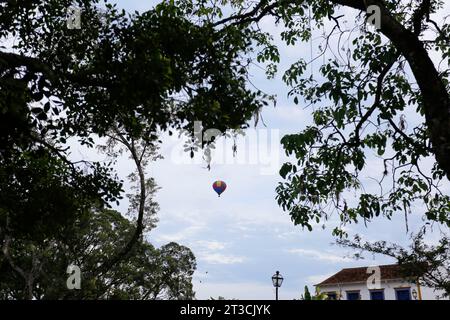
(219, 187)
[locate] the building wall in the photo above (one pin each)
(388, 286)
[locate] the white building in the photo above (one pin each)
(374, 283)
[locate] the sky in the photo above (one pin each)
(243, 237)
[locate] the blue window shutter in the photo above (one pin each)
(353, 295)
(377, 295)
(403, 294)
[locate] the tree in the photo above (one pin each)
(380, 95)
(317, 296)
(361, 99)
(307, 295)
(429, 264)
(148, 273)
(220, 298)
(186, 60)
(125, 77)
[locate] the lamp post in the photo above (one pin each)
(277, 280)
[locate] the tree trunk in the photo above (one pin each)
(436, 98)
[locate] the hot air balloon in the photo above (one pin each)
(219, 187)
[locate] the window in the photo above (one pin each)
(352, 295)
(403, 294)
(331, 296)
(376, 294)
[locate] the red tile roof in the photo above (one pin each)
(347, 275)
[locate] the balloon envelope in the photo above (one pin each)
(219, 187)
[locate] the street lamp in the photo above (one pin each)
(277, 280)
(414, 294)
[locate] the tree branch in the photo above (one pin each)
(141, 210)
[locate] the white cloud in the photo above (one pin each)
(212, 245)
(315, 279)
(208, 252)
(219, 258)
(320, 255)
(181, 235)
(289, 113)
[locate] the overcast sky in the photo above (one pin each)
(243, 237)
